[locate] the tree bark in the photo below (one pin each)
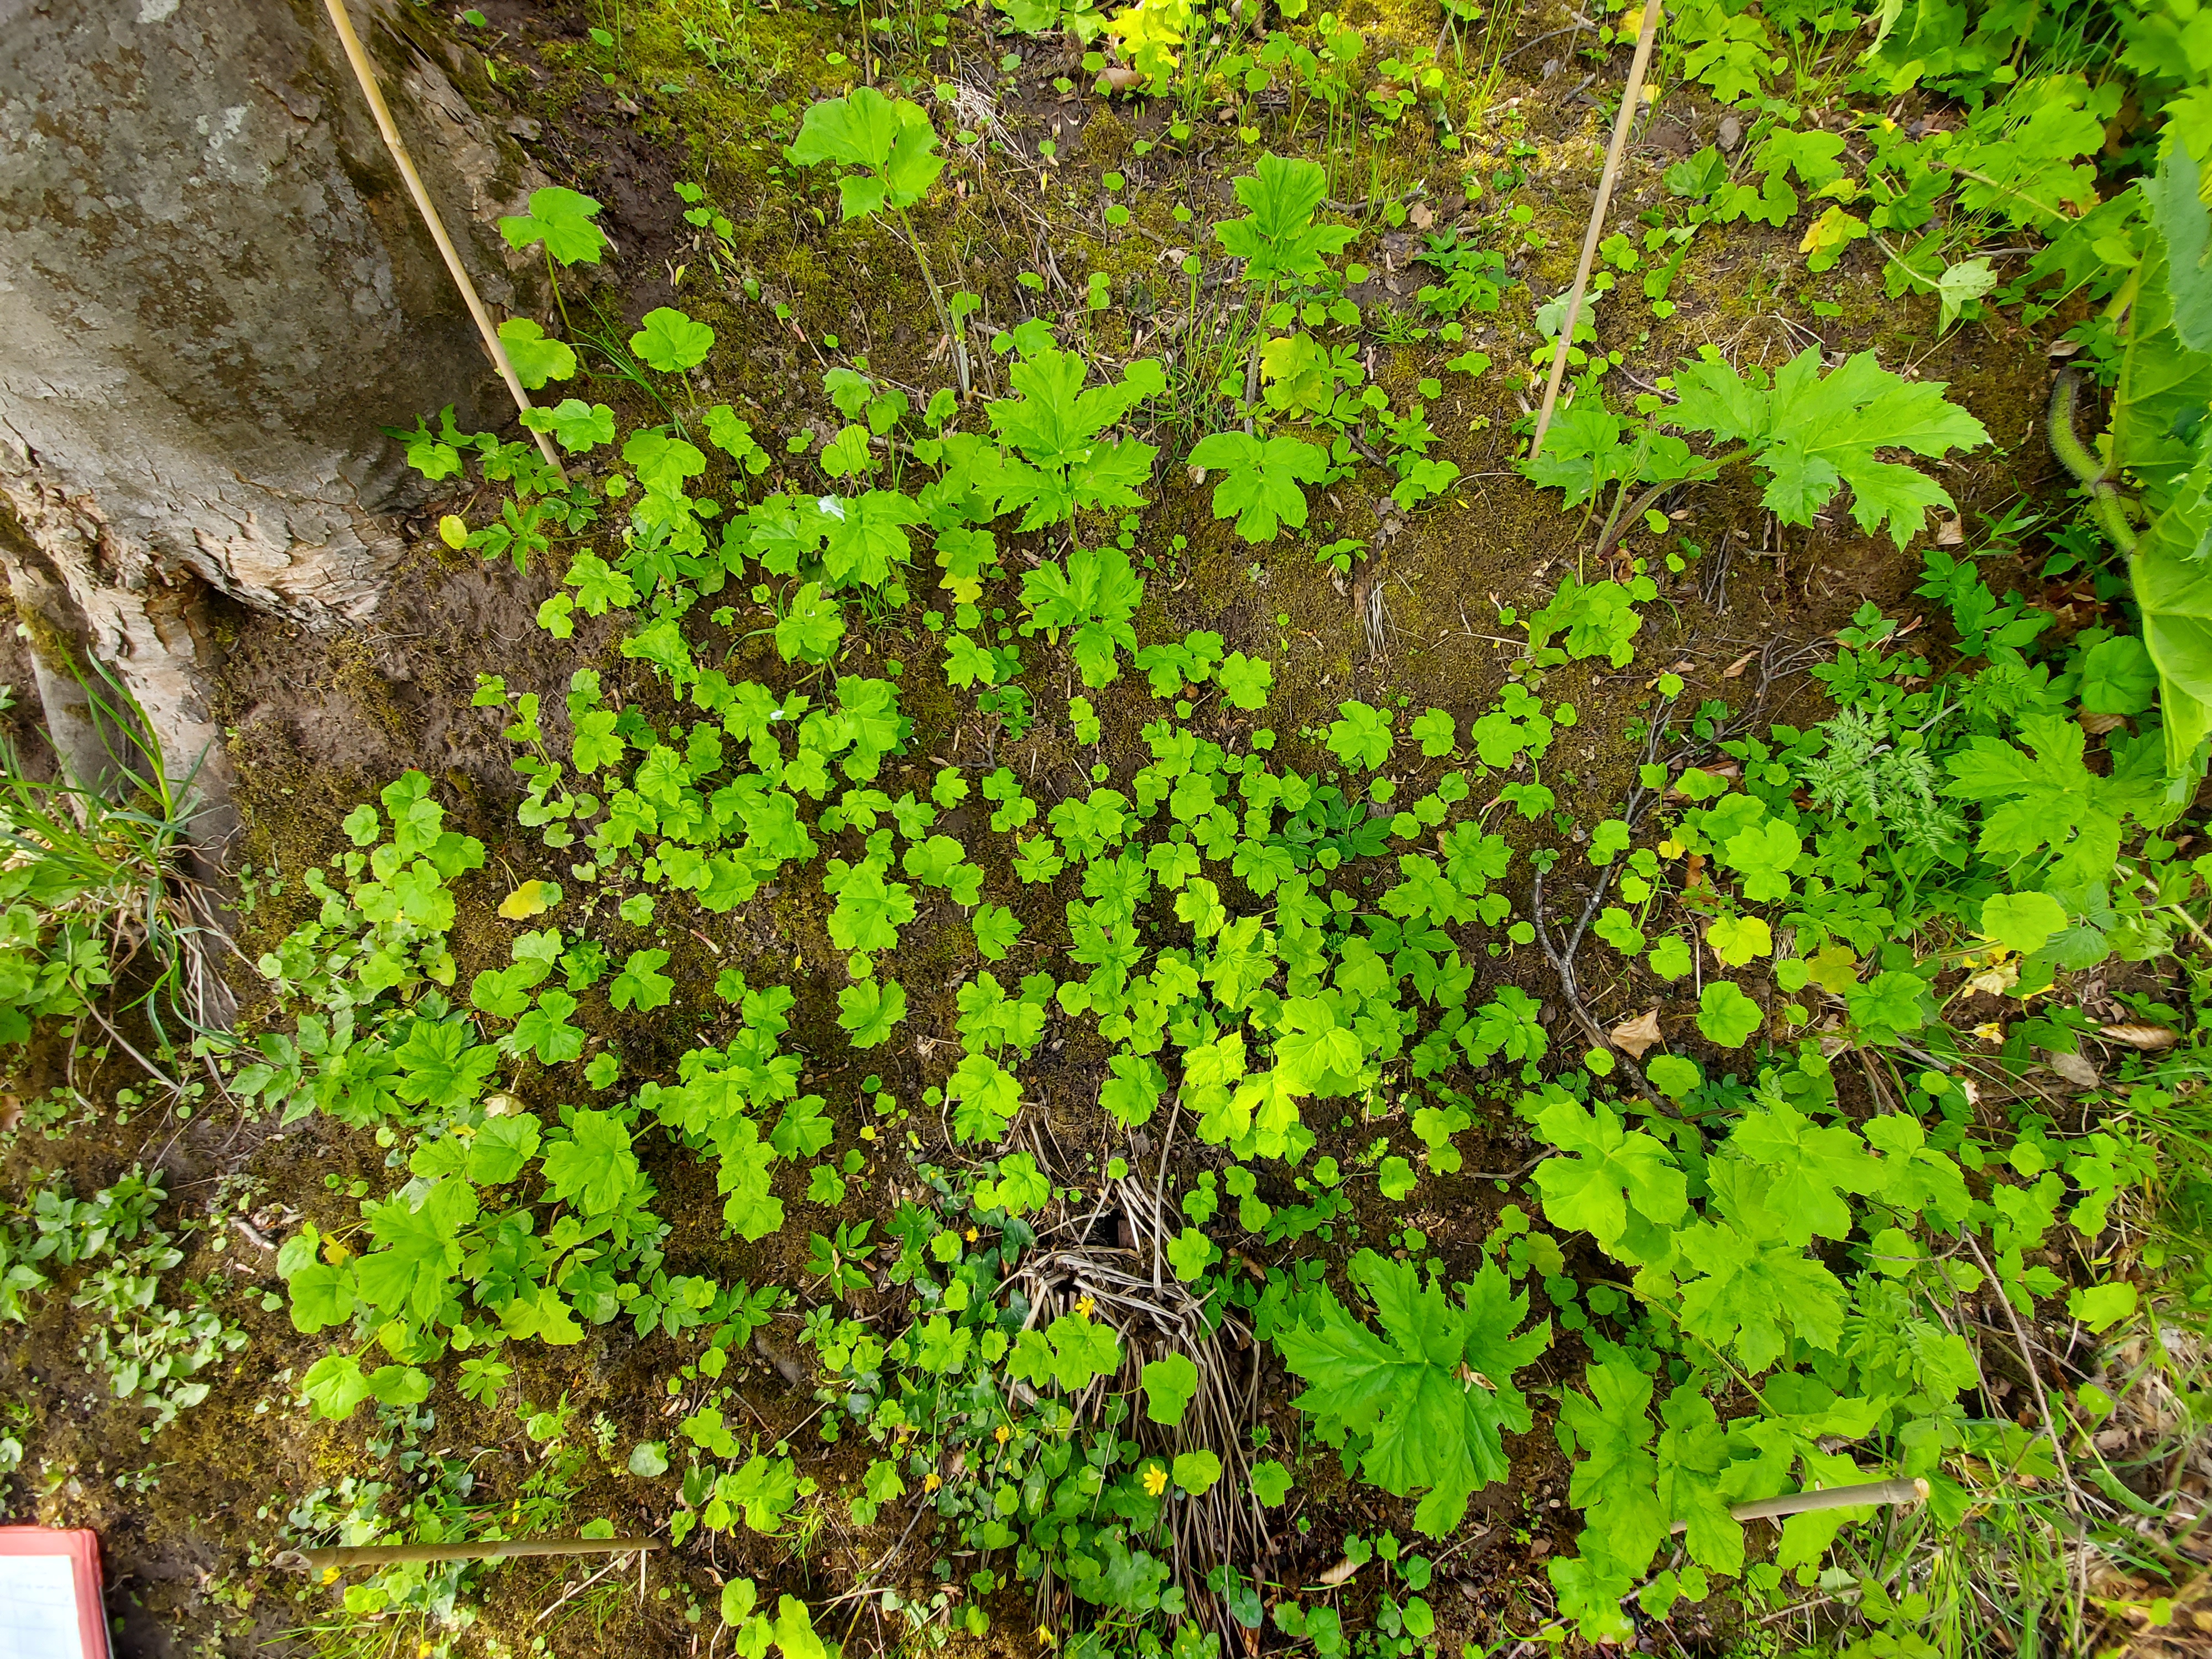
(214, 291)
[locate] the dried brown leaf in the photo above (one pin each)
(2150, 1039)
(1633, 1037)
(2074, 1070)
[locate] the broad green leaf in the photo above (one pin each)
(1606, 1170)
(1738, 940)
(1170, 1382)
(576, 426)
(2102, 1306)
(1806, 1168)
(592, 1167)
(1196, 1471)
(563, 220)
(1433, 1391)
(1727, 1015)
(670, 342)
(995, 928)
(641, 984)
(1261, 480)
(1816, 433)
(1270, 1482)
(985, 1095)
(869, 1012)
(891, 138)
(535, 358)
(1279, 239)
(2178, 214)
(334, 1386)
(2022, 921)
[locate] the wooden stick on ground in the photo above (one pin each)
(1631, 98)
(1827, 1497)
(385, 1555)
(364, 72)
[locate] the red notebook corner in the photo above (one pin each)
(50, 1593)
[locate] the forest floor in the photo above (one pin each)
(192, 1516)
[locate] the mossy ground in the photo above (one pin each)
(703, 92)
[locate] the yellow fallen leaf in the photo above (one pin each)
(453, 531)
(533, 898)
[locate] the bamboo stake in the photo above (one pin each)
(385, 1555)
(365, 74)
(1826, 1498)
(1629, 98)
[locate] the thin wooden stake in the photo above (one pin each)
(1631, 98)
(385, 1555)
(1826, 1498)
(364, 72)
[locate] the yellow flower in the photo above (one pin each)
(930, 1482)
(1045, 1635)
(969, 1235)
(1002, 1434)
(1990, 1032)
(330, 1575)
(1155, 1479)
(1084, 1305)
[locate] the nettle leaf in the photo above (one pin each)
(561, 219)
(892, 138)
(1260, 480)
(1614, 1482)
(670, 342)
(1169, 1383)
(534, 358)
(869, 1012)
(1432, 1396)
(1813, 433)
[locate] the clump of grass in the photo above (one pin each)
(102, 917)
